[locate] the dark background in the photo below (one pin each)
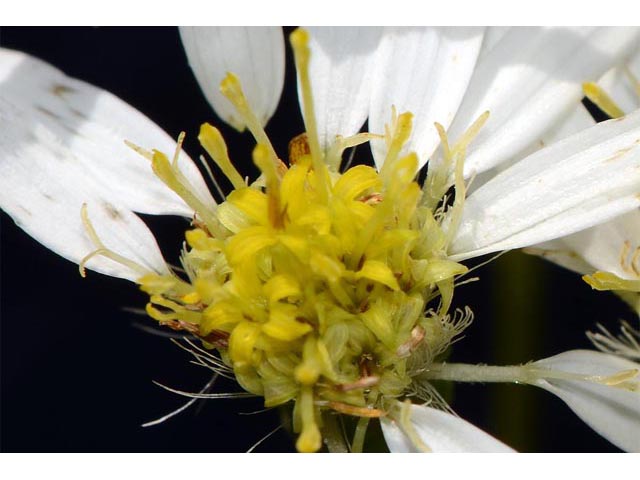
(77, 370)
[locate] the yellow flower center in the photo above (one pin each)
(314, 286)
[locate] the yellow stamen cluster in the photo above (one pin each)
(314, 285)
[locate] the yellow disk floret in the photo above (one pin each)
(314, 285)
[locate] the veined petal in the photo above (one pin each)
(576, 183)
(528, 81)
(88, 126)
(254, 54)
(340, 69)
(612, 411)
(48, 208)
(603, 246)
(492, 36)
(558, 252)
(619, 83)
(441, 432)
(423, 70)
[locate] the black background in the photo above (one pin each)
(77, 373)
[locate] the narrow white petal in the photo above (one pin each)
(47, 207)
(424, 70)
(492, 36)
(254, 54)
(613, 412)
(584, 180)
(442, 433)
(603, 246)
(88, 126)
(340, 69)
(577, 121)
(620, 85)
(529, 80)
(558, 252)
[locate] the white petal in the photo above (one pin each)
(90, 125)
(530, 80)
(573, 184)
(577, 121)
(61, 145)
(47, 207)
(424, 70)
(612, 412)
(492, 36)
(558, 252)
(620, 86)
(254, 54)
(341, 60)
(441, 432)
(602, 246)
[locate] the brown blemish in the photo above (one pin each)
(59, 90)
(48, 112)
(618, 154)
(78, 113)
(112, 212)
(28, 212)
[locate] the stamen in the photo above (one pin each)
(407, 427)
(102, 250)
(310, 439)
(176, 181)
(139, 150)
(176, 153)
(626, 344)
(261, 159)
(608, 281)
(300, 43)
(355, 411)
(401, 132)
(211, 139)
(232, 89)
(334, 155)
(601, 99)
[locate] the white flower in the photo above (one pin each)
(62, 145)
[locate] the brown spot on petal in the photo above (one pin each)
(59, 90)
(112, 212)
(48, 112)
